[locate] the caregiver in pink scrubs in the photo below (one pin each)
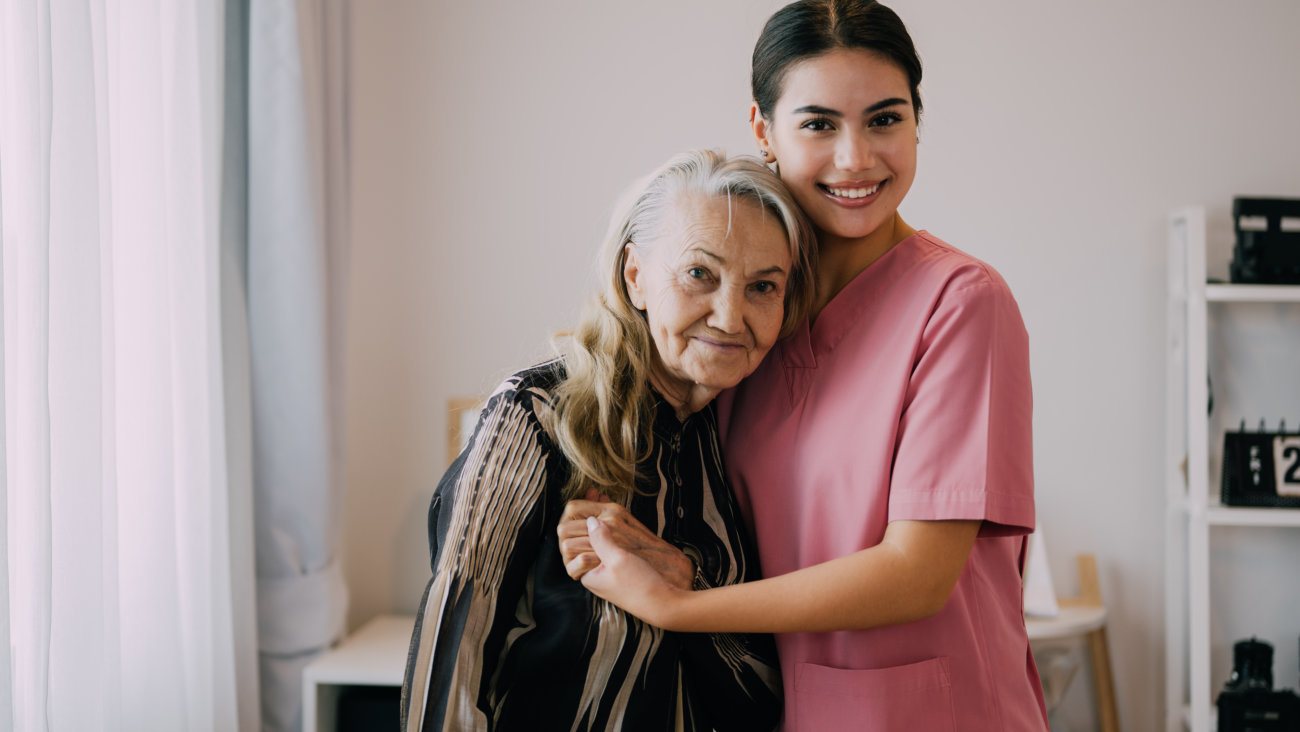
(883, 452)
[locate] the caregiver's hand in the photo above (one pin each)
(625, 533)
(627, 580)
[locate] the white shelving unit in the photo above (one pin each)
(1194, 508)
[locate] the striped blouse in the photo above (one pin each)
(506, 640)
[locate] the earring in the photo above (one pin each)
(763, 153)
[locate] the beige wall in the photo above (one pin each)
(491, 138)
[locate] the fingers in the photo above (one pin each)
(581, 564)
(571, 528)
(571, 549)
(573, 523)
(621, 532)
(580, 553)
(601, 538)
(622, 578)
(579, 509)
(575, 546)
(624, 530)
(591, 504)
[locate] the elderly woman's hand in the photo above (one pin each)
(626, 532)
(626, 579)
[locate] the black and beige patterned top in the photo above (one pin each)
(506, 640)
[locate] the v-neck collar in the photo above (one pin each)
(811, 342)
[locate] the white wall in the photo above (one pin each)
(490, 140)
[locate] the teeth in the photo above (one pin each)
(853, 192)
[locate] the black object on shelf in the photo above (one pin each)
(1267, 251)
(1252, 666)
(1261, 468)
(1248, 702)
(367, 708)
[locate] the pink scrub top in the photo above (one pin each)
(908, 398)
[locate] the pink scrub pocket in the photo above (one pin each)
(917, 696)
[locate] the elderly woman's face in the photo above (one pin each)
(713, 289)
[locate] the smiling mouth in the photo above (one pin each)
(722, 345)
(851, 193)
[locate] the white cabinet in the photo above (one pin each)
(375, 655)
(1198, 315)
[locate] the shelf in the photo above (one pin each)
(1217, 514)
(1193, 638)
(1252, 293)
(1220, 515)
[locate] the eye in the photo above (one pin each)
(765, 287)
(886, 119)
(698, 273)
(817, 124)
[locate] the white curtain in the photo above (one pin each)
(295, 267)
(126, 596)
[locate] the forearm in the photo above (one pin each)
(445, 670)
(907, 577)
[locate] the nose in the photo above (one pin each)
(853, 152)
(728, 313)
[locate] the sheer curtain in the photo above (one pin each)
(295, 267)
(173, 222)
(126, 581)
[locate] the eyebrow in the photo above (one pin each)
(825, 111)
(720, 260)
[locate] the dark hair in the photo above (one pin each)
(810, 28)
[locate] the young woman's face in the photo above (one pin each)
(844, 137)
(713, 289)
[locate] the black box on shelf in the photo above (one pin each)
(1261, 469)
(1267, 251)
(1259, 711)
(1248, 702)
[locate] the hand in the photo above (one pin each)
(575, 548)
(626, 533)
(626, 579)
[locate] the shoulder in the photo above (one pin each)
(526, 395)
(959, 294)
(535, 381)
(955, 270)
(938, 277)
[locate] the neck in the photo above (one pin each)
(842, 259)
(684, 397)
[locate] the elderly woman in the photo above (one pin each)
(705, 270)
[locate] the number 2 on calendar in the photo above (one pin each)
(1286, 459)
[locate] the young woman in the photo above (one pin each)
(708, 266)
(882, 454)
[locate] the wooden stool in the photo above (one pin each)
(1085, 616)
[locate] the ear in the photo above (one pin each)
(632, 276)
(761, 131)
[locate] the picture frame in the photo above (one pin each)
(462, 415)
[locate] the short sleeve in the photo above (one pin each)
(965, 441)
